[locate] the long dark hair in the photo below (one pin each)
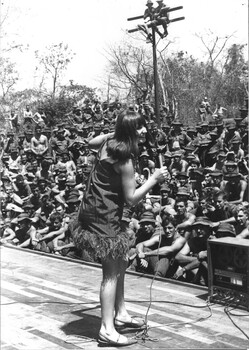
(124, 145)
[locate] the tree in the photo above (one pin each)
(131, 70)
(8, 78)
(55, 61)
(235, 72)
(57, 107)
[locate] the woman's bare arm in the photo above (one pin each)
(97, 141)
(133, 195)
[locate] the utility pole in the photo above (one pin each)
(158, 16)
(156, 89)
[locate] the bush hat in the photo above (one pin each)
(202, 220)
(221, 154)
(182, 174)
(191, 129)
(61, 177)
(183, 191)
(73, 198)
(147, 216)
(236, 139)
(193, 159)
(144, 154)
(233, 175)
(177, 122)
(168, 154)
(205, 142)
(204, 124)
(231, 126)
(164, 188)
(216, 173)
(177, 153)
(214, 149)
(165, 126)
(71, 183)
(230, 163)
(225, 229)
(189, 148)
(23, 216)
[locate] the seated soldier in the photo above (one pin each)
(63, 196)
(242, 227)
(39, 142)
(234, 187)
(56, 228)
(156, 254)
(26, 232)
(178, 164)
(147, 226)
(194, 252)
(166, 202)
(161, 18)
(68, 163)
(221, 211)
(8, 234)
(59, 143)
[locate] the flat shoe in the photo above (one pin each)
(105, 341)
(134, 323)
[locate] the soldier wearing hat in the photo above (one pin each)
(166, 200)
(230, 133)
(194, 253)
(10, 142)
(146, 166)
(63, 195)
(220, 160)
(217, 176)
(73, 201)
(234, 186)
(26, 233)
(178, 138)
(178, 164)
(147, 226)
(156, 254)
(183, 181)
(59, 144)
(161, 17)
(148, 16)
(235, 146)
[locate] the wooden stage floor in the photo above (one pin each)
(53, 303)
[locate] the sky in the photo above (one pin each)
(89, 27)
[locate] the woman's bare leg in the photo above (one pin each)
(108, 291)
(120, 309)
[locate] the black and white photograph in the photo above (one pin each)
(124, 204)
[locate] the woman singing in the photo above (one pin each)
(111, 184)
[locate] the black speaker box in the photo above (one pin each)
(228, 271)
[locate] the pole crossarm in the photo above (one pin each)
(170, 9)
(158, 17)
(151, 24)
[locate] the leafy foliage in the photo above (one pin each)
(55, 60)
(184, 80)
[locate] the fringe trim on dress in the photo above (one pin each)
(100, 247)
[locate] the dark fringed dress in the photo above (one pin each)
(98, 229)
